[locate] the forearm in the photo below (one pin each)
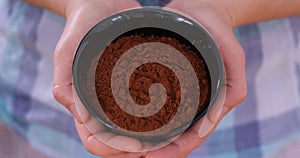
(59, 7)
(65, 7)
(249, 11)
(240, 11)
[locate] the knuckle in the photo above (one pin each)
(64, 48)
(89, 146)
(88, 149)
(91, 150)
(58, 50)
(57, 93)
(61, 46)
(86, 145)
(242, 94)
(239, 51)
(63, 53)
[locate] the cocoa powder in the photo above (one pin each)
(145, 76)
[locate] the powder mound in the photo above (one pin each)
(142, 79)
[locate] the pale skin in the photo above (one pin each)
(219, 17)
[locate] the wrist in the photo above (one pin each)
(204, 10)
(107, 5)
(227, 13)
(238, 12)
(249, 11)
(56, 6)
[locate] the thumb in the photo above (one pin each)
(63, 60)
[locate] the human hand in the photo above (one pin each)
(217, 21)
(81, 16)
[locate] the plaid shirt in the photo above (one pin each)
(267, 124)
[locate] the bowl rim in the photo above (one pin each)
(159, 14)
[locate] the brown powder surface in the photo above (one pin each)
(141, 80)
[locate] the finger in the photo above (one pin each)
(234, 89)
(92, 144)
(63, 59)
(213, 114)
(233, 58)
(78, 24)
(234, 62)
(181, 147)
(93, 136)
(187, 142)
(127, 155)
(208, 125)
(147, 146)
(172, 150)
(84, 115)
(231, 51)
(125, 143)
(76, 27)
(235, 68)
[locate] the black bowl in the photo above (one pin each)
(155, 20)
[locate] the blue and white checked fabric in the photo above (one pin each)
(266, 125)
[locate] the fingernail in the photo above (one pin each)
(125, 143)
(206, 127)
(208, 123)
(75, 113)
